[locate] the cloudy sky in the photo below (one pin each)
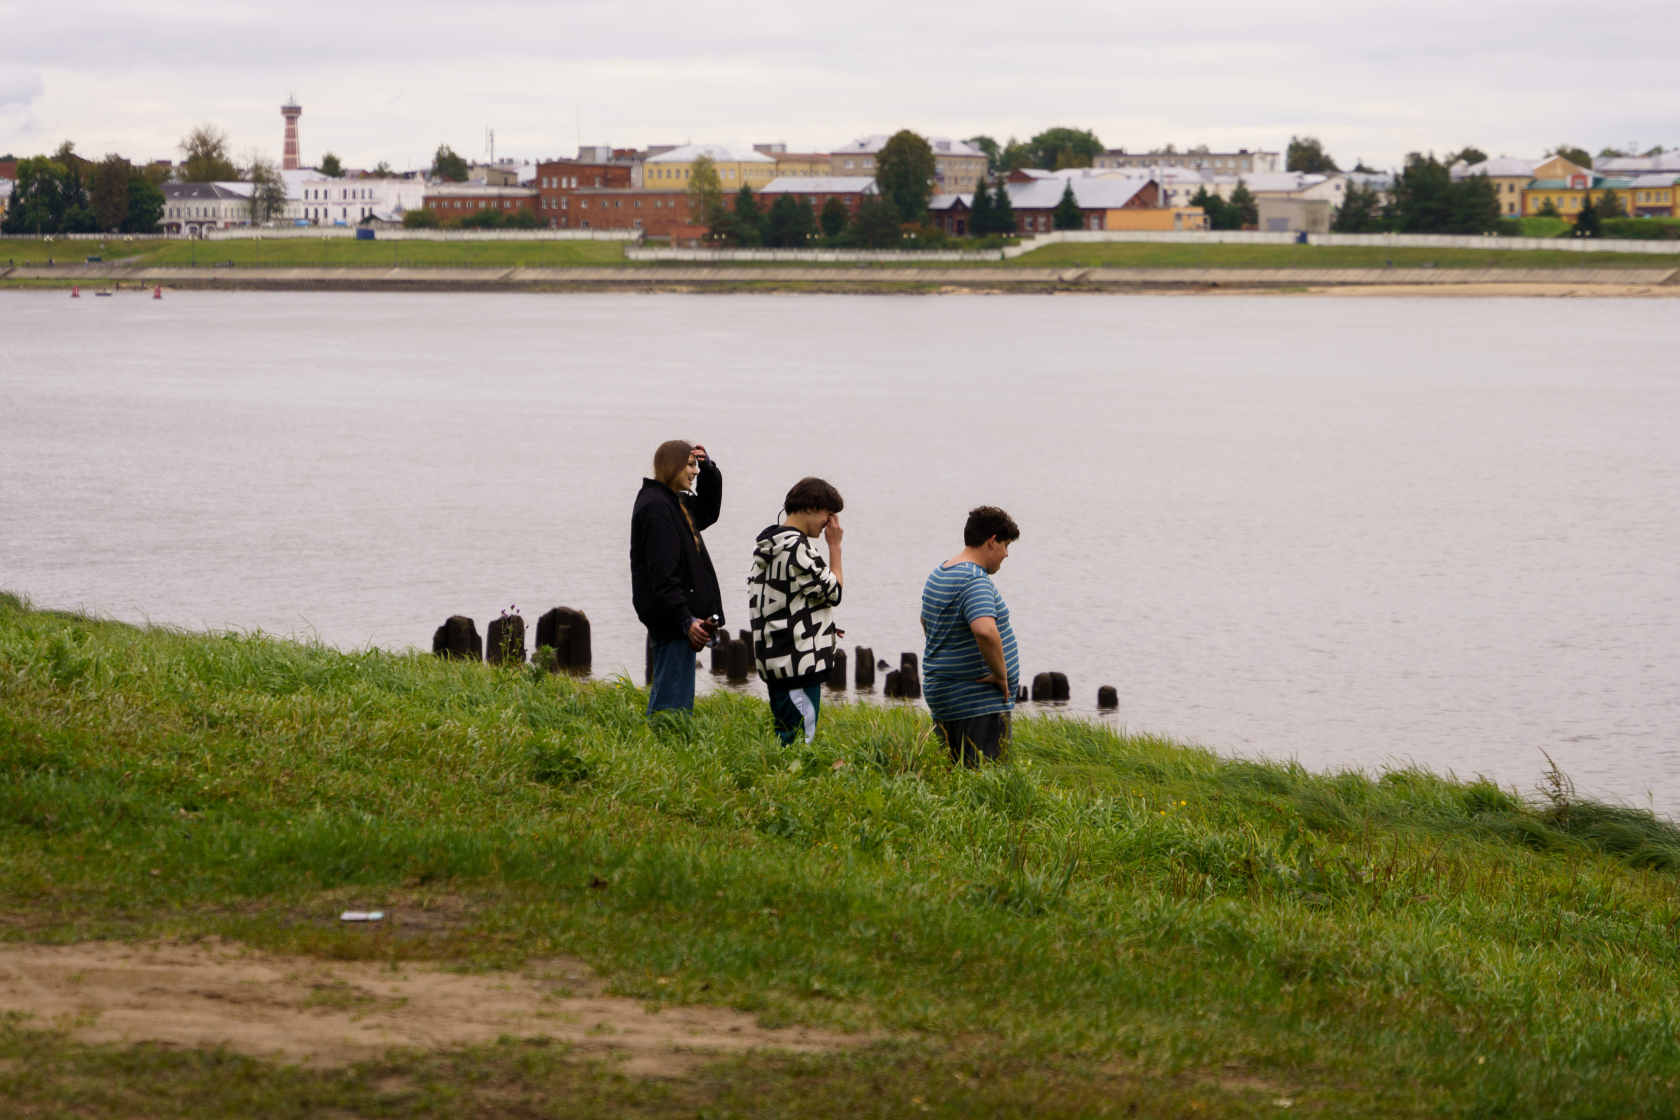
(389, 81)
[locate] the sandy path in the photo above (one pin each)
(325, 1013)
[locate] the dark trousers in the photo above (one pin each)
(970, 739)
(794, 712)
(671, 682)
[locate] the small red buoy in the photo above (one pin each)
(157, 292)
(75, 291)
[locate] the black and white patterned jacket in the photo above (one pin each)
(791, 599)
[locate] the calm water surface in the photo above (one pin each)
(1356, 532)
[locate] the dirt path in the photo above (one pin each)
(326, 1013)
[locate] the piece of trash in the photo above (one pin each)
(1284, 1102)
(156, 873)
(362, 916)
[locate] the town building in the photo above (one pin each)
(736, 167)
(596, 167)
(1240, 162)
(1510, 178)
(806, 165)
(850, 190)
(326, 201)
(958, 166)
(655, 213)
(1284, 214)
(1568, 187)
(453, 201)
(1105, 202)
(289, 150)
(194, 208)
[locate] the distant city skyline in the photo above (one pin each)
(397, 80)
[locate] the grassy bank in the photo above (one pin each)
(349, 253)
(1110, 923)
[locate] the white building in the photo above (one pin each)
(192, 208)
(324, 201)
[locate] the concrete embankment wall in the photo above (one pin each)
(620, 278)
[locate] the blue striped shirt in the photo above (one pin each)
(952, 665)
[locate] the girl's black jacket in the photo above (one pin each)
(671, 578)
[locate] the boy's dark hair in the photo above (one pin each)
(986, 522)
(813, 493)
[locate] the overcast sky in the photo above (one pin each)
(392, 81)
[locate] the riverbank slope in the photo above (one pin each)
(1110, 924)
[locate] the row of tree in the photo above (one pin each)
(64, 193)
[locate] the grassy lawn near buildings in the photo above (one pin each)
(1109, 925)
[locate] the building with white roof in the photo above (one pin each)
(736, 167)
(958, 165)
(1240, 162)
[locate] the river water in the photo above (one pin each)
(1355, 532)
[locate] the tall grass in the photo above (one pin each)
(1394, 942)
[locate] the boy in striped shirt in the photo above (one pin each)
(970, 665)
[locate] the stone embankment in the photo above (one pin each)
(851, 279)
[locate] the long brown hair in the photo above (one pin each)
(668, 462)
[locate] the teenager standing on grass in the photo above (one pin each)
(792, 594)
(970, 666)
(672, 584)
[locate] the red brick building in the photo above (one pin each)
(558, 179)
(454, 201)
(655, 213)
(849, 189)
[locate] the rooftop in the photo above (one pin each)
(942, 146)
(839, 184)
(717, 153)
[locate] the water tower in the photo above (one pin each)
(291, 110)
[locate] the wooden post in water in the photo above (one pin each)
(889, 686)
(837, 674)
(1059, 687)
(1108, 697)
(458, 637)
(1041, 687)
(740, 661)
(566, 632)
(909, 678)
(506, 640)
(865, 667)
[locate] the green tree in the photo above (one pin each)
(877, 225)
(108, 191)
(993, 151)
(1609, 205)
(981, 213)
(1063, 147)
(422, 217)
(791, 222)
(145, 205)
(705, 195)
(746, 221)
(1003, 210)
(268, 189)
(523, 219)
(1588, 223)
(1246, 206)
(1220, 214)
(1547, 210)
(38, 197)
(449, 166)
(1067, 214)
(1577, 156)
(381, 170)
(483, 219)
(330, 167)
(1426, 200)
(1469, 155)
(904, 172)
(1361, 210)
(1015, 155)
(207, 159)
(836, 216)
(1307, 154)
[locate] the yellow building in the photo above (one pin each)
(1510, 177)
(797, 165)
(1162, 218)
(736, 167)
(1568, 186)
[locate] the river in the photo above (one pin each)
(1353, 532)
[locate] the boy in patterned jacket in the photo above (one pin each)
(792, 594)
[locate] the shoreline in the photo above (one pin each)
(1654, 283)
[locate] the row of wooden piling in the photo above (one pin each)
(566, 632)
(563, 631)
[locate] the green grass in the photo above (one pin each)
(1160, 255)
(1108, 923)
(349, 253)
